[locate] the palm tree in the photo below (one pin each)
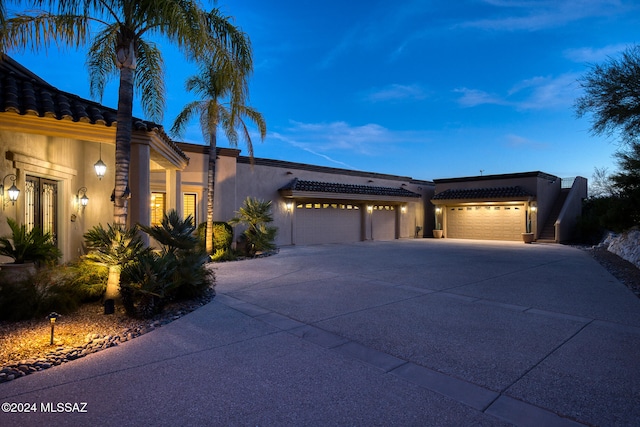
(256, 214)
(120, 48)
(114, 248)
(223, 85)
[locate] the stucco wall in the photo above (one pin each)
(70, 163)
(237, 179)
(263, 181)
(547, 194)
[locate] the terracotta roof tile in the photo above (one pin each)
(23, 92)
(327, 187)
(482, 193)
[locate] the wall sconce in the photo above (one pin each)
(369, 208)
(534, 208)
(403, 209)
(13, 191)
(438, 210)
(84, 200)
(289, 206)
(100, 166)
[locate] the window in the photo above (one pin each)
(41, 202)
(189, 203)
(157, 208)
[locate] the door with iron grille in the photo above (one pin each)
(41, 201)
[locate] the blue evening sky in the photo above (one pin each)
(427, 89)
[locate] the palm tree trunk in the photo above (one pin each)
(126, 62)
(113, 283)
(210, 192)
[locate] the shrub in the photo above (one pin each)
(600, 214)
(51, 288)
(222, 236)
(223, 255)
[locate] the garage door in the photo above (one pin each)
(317, 223)
(384, 222)
(486, 222)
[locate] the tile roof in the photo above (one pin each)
(483, 193)
(24, 93)
(327, 187)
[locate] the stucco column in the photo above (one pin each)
(140, 202)
(173, 189)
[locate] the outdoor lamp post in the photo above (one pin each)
(52, 318)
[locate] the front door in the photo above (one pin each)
(41, 201)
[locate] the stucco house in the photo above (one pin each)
(502, 207)
(311, 204)
(50, 141)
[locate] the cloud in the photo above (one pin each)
(474, 97)
(537, 93)
(592, 55)
(546, 92)
(382, 29)
(396, 92)
(335, 140)
(543, 14)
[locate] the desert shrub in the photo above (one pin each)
(87, 278)
(50, 288)
(224, 255)
(222, 236)
(601, 214)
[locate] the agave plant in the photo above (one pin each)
(28, 246)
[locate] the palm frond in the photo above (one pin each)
(42, 29)
(149, 79)
(189, 111)
(100, 61)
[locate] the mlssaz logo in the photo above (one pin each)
(66, 407)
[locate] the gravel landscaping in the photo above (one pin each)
(25, 346)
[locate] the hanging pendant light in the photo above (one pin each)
(100, 166)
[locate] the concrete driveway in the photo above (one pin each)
(410, 332)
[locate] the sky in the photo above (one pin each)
(421, 88)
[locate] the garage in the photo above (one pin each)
(383, 222)
(485, 222)
(318, 222)
(494, 213)
(325, 212)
